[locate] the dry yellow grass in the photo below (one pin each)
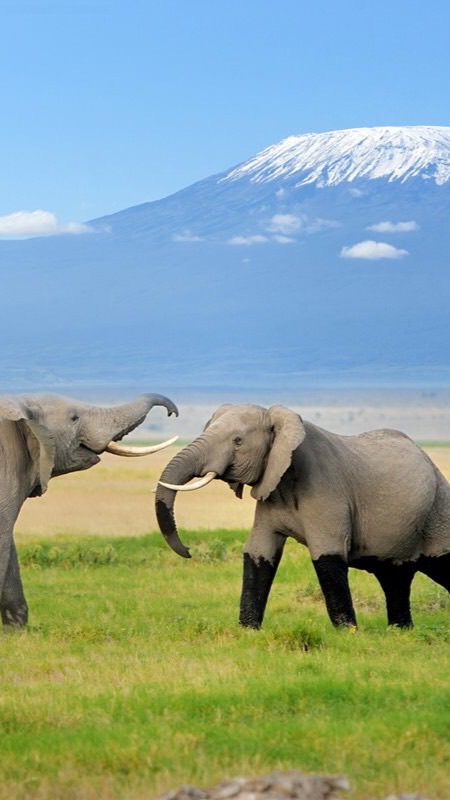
(115, 498)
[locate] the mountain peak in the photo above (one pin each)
(326, 159)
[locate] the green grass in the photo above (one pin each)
(133, 677)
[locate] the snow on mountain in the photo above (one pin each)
(326, 255)
(327, 159)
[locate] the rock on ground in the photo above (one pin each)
(275, 786)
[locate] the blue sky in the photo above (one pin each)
(106, 104)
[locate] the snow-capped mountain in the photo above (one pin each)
(321, 179)
(325, 255)
(327, 159)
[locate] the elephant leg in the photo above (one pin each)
(437, 568)
(262, 556)
(395, 580)
(332, 572)
(13, 606)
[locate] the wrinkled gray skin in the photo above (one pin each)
(41, 437)
(373, 501)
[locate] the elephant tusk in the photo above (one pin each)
(134, 452)
(198, 483)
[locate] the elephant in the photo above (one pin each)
(374, 501)
(42, 437)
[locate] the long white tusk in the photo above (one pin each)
(132, 451)
(189, 487)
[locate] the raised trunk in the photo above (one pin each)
(116, 421)
(187, 464)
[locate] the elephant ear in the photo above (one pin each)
(288, 432)
(40, 442)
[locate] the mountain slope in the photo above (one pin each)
(326, 255)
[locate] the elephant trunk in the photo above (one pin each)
(116, 421)
(188, 463)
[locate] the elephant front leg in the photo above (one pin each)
(332, 572)
(13, 606)
(262, 556)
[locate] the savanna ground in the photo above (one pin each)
(133, 676)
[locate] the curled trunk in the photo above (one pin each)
(185, 465)
(112, 423)
(125, 418)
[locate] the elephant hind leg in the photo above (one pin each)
(395, 580)
(437, 568)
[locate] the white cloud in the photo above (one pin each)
(394, 227)
(356, 192)
(286, 224)
(320, 224)
(372, 250)
(283, 239)
(289, 224)
(248, 240)
(186, 236)
(282, 228)
(37, 223)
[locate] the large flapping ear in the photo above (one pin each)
(288, 432)
(40, 442)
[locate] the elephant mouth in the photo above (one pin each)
(88, 451)
(229, 476)
(81, 458)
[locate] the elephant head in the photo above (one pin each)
(41, 437)
(241, 444)
(63, 435)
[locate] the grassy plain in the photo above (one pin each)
(133, 676)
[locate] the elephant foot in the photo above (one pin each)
(247, 621)
(405, 625)
(346, 622)
(16, 616)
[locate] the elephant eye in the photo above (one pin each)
(74, 418)
(237, 441)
